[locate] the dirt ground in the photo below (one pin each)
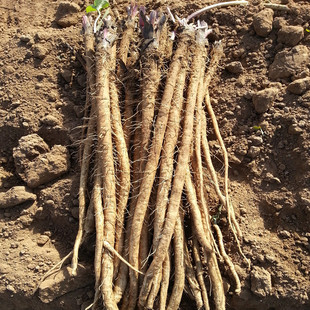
(261, 95)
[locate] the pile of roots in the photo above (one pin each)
(146, 165)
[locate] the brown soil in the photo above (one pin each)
(42, 90)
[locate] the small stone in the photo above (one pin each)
(3, 160)
(59, 104)
(290, 35)
(229, 113)
(39, 51)
(4, 268)
(48, 233)
(304, 240)
(38, 85)
(256, 140)
(263, 99)
(31, 266)
(298, 87)
(15, 196)
(235, 159)
(25, 38)
(304, 197)
(260, 282)
(52, 96)
(50, 120)
(262, 22)
(282, 167)
(235, 67)
(242, 149)
(75, 212)
(67, 14)
(49, 203)
(253, 151)
(8, 69)
(67, 75)
(294, 129)
(260, 258)
(14, 245)
(239, 53)
(10, 288)
(243, 211)
(284, 234)
(43, 239)
(270, 258)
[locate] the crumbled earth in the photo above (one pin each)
(261, 96)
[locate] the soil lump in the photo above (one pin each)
(263, 99)
(262, 22)
(15, 196)
(289, 61)
(290, 35)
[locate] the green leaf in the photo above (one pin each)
(307, 30)
(257, 127)
(101, 4)
(91, 8)
(97, 6)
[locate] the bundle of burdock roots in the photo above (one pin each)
(146, 168)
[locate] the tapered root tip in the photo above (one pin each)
(238, 291)
(73, 272)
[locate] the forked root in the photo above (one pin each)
(192, 279)
(165, 282)
(200, 274)
(227, 259)
(179, 265)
